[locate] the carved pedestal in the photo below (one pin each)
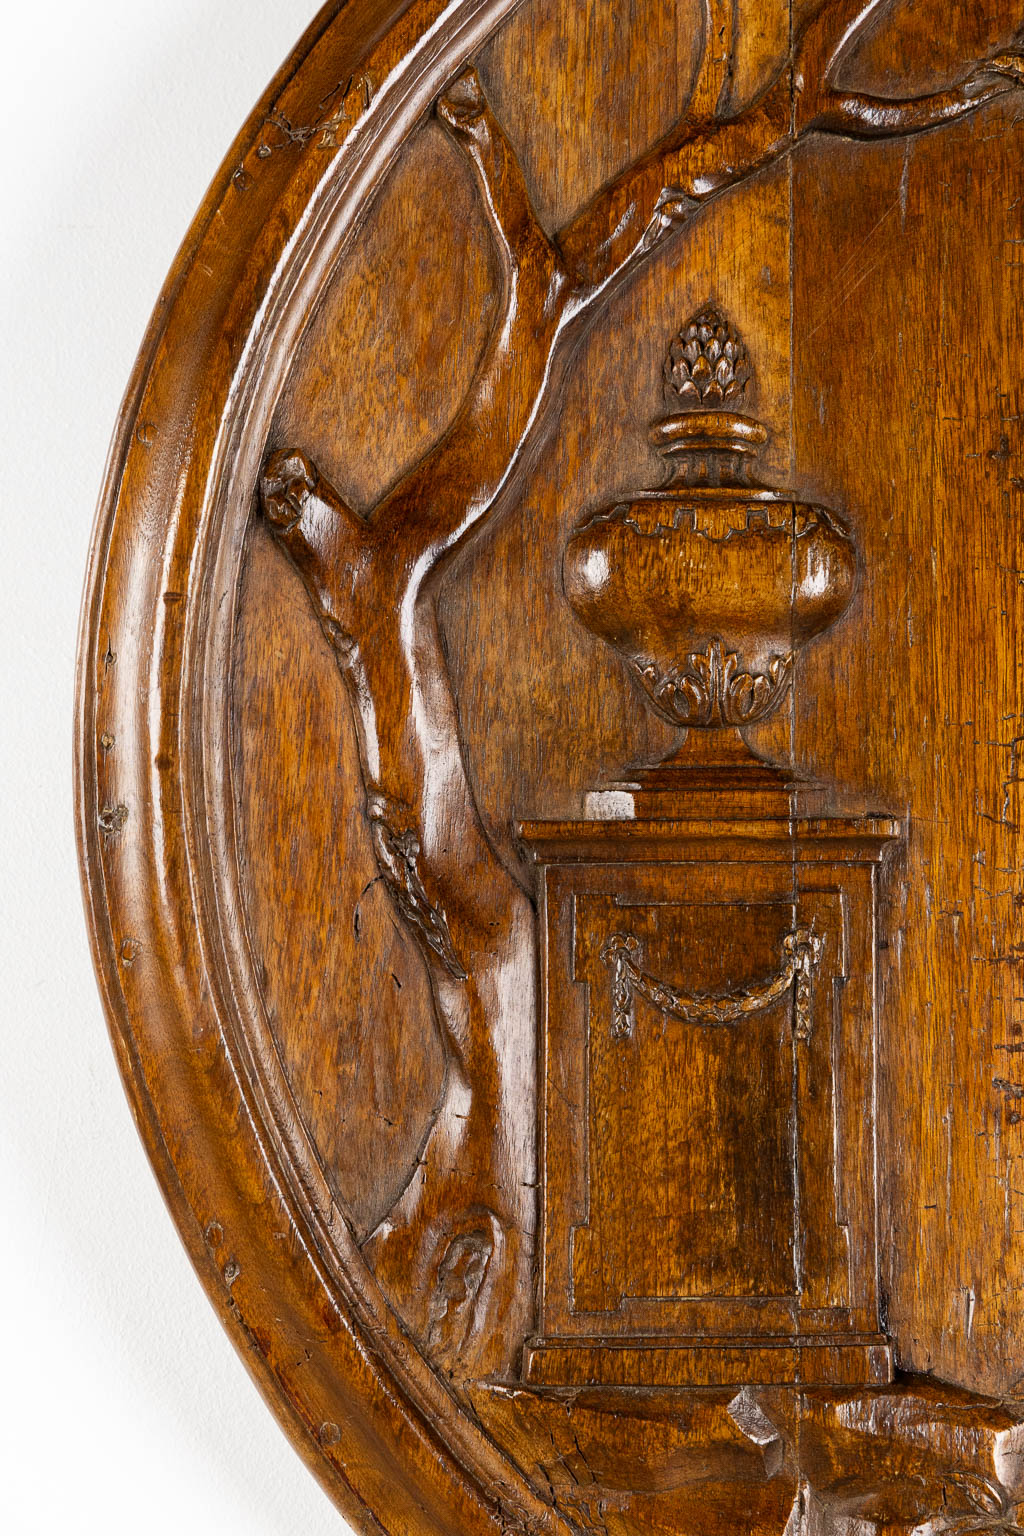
(708, 1086)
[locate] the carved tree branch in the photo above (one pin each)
(714, 75)
(455, 1253)
(373, 582)
(820, 105)
(700, 158)
(440, 502)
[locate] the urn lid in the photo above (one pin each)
(705, 435)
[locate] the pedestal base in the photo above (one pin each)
(714, 777)
(709, 1362)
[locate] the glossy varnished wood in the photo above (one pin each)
(560, 924)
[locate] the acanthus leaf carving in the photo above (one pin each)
(713, 687)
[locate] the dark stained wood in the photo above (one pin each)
(549, 762)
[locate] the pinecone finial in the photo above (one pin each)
(707, 365)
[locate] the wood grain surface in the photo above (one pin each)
(550, 731)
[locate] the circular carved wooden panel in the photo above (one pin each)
(549, 761)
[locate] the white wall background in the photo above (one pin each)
(123, 1407)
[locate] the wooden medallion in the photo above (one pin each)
(550, 733)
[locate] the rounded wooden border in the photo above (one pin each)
(153, 783)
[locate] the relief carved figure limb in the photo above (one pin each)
(455, 1253)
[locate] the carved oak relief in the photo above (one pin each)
(688, 1010)
(801, 951)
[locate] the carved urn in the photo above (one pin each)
(709, 586)
(708, 962)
